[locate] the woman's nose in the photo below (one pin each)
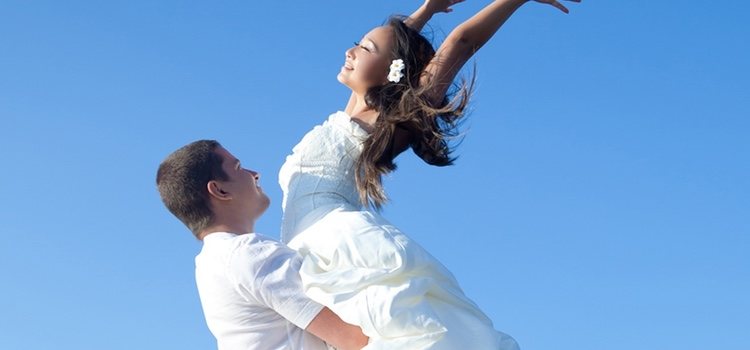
(350, 52)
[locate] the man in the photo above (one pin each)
(248, 284)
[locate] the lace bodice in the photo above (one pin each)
(319, 174)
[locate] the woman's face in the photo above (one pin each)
(367, 62)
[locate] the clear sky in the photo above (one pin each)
(600, 201)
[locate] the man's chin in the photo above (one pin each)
(266, 203)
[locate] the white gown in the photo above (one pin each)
(362, 267)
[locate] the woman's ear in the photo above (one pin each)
(215, 190)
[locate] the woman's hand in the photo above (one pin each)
(555, 3)
(424, 13)
(435, 6)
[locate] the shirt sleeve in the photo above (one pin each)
(273, 279)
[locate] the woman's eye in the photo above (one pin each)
(357, 43)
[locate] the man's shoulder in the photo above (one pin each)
(259, 243)
(230, 240)
(249, 250)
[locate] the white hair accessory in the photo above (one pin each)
(395, 74)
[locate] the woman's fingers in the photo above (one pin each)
(560, 6)
(557, 4)
(448, 8)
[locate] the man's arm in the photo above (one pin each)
(334, 331)
(276, 281)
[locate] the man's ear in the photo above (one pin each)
(215, 190)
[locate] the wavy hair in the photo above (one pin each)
(407, 118)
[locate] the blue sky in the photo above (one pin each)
(600, 200)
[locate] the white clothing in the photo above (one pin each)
(251, 294)
(362, 267)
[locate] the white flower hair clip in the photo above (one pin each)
(395, 74)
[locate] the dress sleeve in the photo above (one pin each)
(268, 272)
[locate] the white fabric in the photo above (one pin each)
(362, 267)
(251, 294)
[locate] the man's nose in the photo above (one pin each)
(255, 174)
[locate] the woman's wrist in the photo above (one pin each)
(419, 18)
(428, 10)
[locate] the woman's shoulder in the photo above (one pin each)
(337, 127)
(343, 121)
(338, 130)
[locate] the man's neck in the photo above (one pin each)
(231, 228)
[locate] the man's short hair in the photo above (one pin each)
(182, 178)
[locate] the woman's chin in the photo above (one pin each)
(343, 80)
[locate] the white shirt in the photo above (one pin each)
(251, 293)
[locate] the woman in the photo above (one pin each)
(355, 262)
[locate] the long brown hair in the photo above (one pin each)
(407, 118)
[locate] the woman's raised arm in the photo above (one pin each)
(465, 40)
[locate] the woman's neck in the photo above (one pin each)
(362, 114)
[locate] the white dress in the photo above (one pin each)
(363, 268)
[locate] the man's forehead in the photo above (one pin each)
(226, 155)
